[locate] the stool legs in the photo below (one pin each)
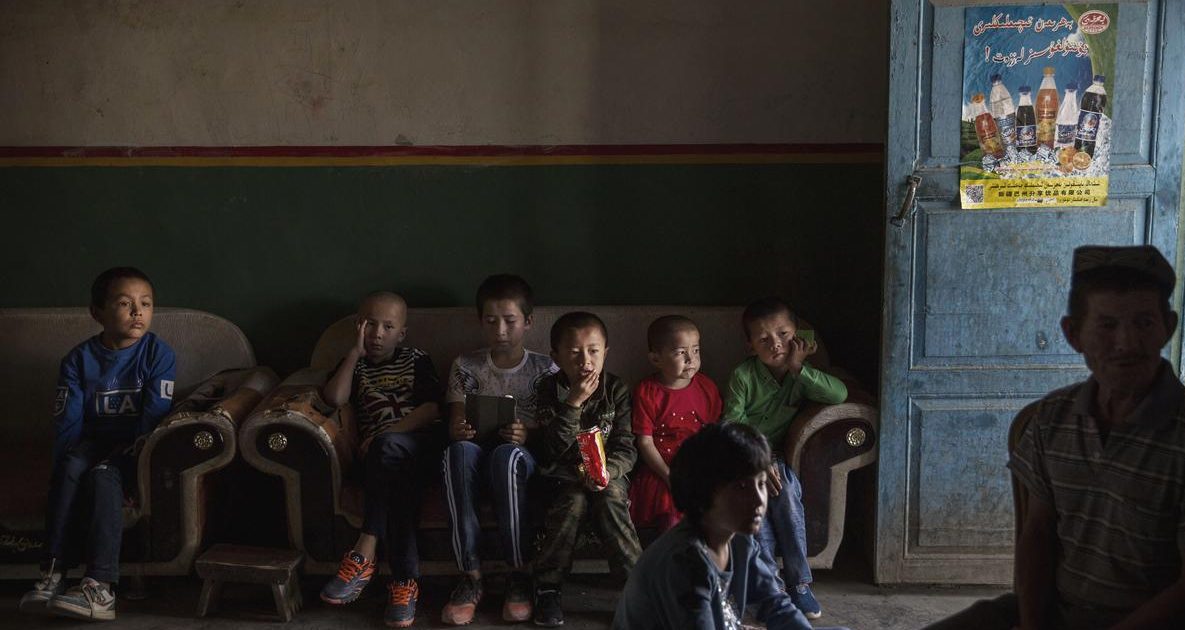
(208, 601)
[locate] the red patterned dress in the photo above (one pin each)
(669, 416)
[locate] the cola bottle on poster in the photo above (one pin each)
(985, 128)
(1047, 110)
(1091, 115)
(1004, 111)
(1026, 122)
(1067, 117)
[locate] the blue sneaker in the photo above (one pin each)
(401, 603)
(353, 575)
(805, 601)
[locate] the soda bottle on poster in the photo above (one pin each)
(1026, 122)
(1047, 110)
(985, 128)
(1067, 117)
(1090, 115)
(1004, 111)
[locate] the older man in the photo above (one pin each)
(1103, 461)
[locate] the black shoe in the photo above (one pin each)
(548, 611)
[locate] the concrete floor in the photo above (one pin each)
(847, 596)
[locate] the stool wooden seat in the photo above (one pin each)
(252, 565)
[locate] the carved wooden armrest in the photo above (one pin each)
(296, 436)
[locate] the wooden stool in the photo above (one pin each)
(252, 565)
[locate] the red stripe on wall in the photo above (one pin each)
(434, 151)
(471, 155)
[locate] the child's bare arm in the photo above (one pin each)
(651, 457)
(336, 390)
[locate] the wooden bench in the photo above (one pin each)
(251, 565)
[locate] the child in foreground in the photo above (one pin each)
(765, 392)
(113, 389)
(580, 397)
(394, 393)
(669, 407)
(707, 571)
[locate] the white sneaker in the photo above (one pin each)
(45, 589)
(90, 600)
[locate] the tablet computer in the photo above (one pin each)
(486, 414)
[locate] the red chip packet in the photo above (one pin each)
(592, 454)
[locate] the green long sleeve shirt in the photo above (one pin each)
(755, 398)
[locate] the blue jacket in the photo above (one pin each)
(676, 586)
(115, 395)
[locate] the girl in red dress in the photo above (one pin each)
(669, 406)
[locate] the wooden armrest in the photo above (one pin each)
(814, 417)
(300, 403)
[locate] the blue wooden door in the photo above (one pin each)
(973, 297)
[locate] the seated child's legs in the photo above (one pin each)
(511, 467)
(65, 505)
(569, 501)
(783, 532)
(459, 467)
(103, 489)
(393, 485)
(611, 517)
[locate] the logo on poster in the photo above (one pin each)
(1094, 22)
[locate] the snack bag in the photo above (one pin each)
(592, 454)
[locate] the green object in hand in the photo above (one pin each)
(805, 335)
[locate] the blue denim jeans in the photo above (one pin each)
(783, 531)
(84, 519)
(504, 470)
(394, 480)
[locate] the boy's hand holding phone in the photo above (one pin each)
(459, 429)
(515, 432)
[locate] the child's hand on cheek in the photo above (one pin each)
(583, 388)
(800, 349)
(359, 348)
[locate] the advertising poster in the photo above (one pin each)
(1036, 128)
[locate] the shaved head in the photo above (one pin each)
(384, 298)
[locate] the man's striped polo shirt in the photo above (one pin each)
(1119, 501)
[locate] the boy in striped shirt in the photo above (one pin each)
(395, 395)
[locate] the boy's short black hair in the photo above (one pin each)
(506, 286)
(574, 321)
(766, 307)
(102, 284)
(660, 330)
(717, 455)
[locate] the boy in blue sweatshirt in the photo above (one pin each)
(112, 389)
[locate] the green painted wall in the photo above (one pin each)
(283, 252)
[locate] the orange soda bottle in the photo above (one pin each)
(985, 128)
(1047, 110)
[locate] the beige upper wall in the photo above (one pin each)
(441, 72)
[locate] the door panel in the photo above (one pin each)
(973, 298)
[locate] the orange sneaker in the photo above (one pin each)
(517, 605)
(462, 604)
(401, 603)
(353, 574)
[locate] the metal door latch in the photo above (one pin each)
(907, 204)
